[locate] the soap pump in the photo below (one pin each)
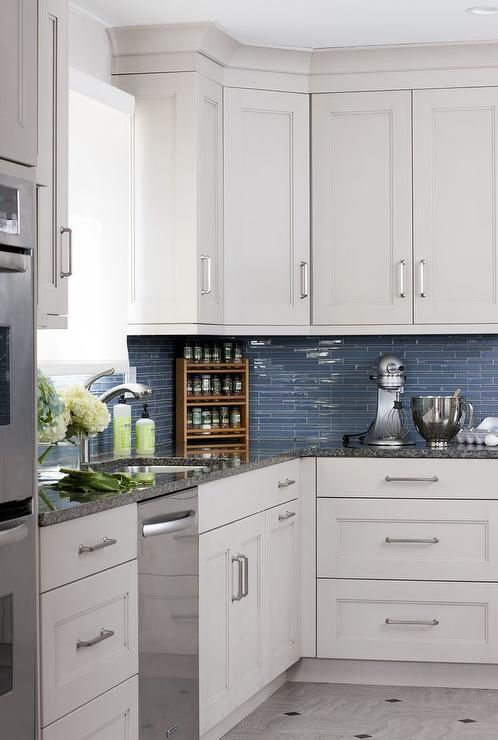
(146, 433)
(122, 428)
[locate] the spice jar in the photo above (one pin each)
(190, 419)
(206, 419)
(188, 352)
(227, 386)
(216, 385)
(216, 353)
(215, 418)
(196, 417)
(206, 385)
(237, 385)
(227, 352)
(190, 386)
(235, 416)
(206, 354)
(224, 417)
(197, 385)
(237, 352)
(197, 352)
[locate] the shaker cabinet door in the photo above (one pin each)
(362, 236)
(18, 93)
(455, 207)
(266, 208)
(54, 259)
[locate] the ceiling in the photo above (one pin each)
(311, 23)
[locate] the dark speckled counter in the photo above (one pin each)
(56, 507)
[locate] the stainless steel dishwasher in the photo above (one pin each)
(168, 584)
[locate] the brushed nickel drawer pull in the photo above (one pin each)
(303, 266)
(66, 230)
(423, 294)
(245, 560)
(402, 291)
(104, 635)
(433, 479)
(421, 541)
(425, 622)
(286, 483)
(106, 542)
(287, 515)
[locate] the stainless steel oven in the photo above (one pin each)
(17, 460)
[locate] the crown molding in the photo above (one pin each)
(206, 47)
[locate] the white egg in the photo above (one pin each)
(491, 440)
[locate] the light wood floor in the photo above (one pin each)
(344, 712)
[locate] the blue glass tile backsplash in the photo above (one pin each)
(309, 391)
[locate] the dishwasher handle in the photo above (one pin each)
(174, 522)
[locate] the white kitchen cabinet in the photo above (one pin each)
(455, 179)
(283, 587)
(54, 235)
(362, 234)
(407, 620)
(266, 184)
(89, 639)
(112, 716)
(18, 83)
(232, 617)
(177, 249)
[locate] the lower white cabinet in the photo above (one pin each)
(407, 620)
(89, 639)
(283, 578)
(231, 617)
(112, 716)
(249, 611)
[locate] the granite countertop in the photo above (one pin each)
(56, 507)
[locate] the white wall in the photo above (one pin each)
(89, 49)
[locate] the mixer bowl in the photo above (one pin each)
(437, 418)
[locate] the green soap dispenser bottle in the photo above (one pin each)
(146, 434)
(122, 428)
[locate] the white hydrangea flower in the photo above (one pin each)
(87, 414)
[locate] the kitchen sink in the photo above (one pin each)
(133, 469)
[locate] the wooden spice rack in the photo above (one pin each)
(219, 440)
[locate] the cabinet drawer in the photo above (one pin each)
(113, 716)
(452, 622)
(385, 538)
(239, 496)
(66, 549)
(102, 606)
(406, 478)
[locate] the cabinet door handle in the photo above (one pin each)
(69, 232)
(421, 540)
(423, 294)
(425, 622)
(287, 515)
(286, 483)
(303, 266)
(434, 479)
(206, 288)
(402, 291)
(106, 542)
(104, 635)
(245, 590)
(240, 586)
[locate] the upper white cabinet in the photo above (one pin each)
(176, 260)
(267, 243)
(18, 83)
(362, 220)
(455, 179)
(54, 235)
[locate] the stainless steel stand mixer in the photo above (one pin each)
(390, 427)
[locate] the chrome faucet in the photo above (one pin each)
(137, 390)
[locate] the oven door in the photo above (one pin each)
(17, 629)
(17, 412)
